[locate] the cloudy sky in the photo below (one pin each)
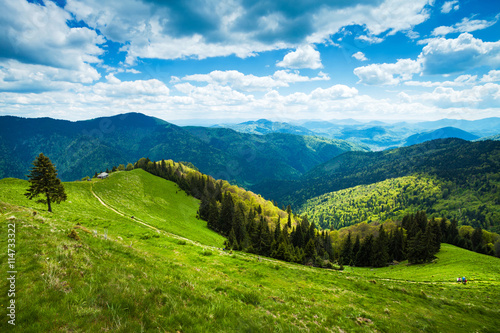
(250, 59)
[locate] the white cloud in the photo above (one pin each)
(303, 57)
(479, 96)
(129, 89)
(16, 76)
(220, 28)
(462, 80)
(446, 56)
(240, 81)
(360, 56)
(492, 76)
(449, 6)
(335, 92)
(370, 39)
(387, 74)
(39, 38)
(466, 25)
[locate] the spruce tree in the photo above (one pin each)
(381, 251)
(355, 250)
(347, 253)
(43, 181)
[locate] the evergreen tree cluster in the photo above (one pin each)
(416, 239)
(247, 225)
(373, 251)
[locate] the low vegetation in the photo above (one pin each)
(116, 278)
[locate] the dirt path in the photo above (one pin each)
(117, 212)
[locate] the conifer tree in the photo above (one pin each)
(226, 214)
(381, 252)
(346, 254)
(355, 250)
(43, 181)
(365, 253)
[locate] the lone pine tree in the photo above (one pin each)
(43, 181)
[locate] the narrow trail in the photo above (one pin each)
(135, 219)
(214, 248)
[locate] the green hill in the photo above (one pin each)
(393, 198)
(468, 174)
(152, 200)
(139, 280)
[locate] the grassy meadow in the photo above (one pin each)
(137, 279)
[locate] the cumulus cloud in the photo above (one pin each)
(446, 56)
(370, 39)
(387, 74)
(20, 77)
(201, 29)
(462, 80)
(360, 56)
(39, 37)
(304, 57)
(492, 76)
(117, 88)
(335, 92)
(250, 82)
(449, 6)
(479, 96)
(466, 25)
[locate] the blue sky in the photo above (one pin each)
(242, 59)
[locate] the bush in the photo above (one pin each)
(206, 253)
(73, 234)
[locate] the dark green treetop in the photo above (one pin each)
(43, 181)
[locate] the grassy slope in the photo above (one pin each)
(452, 262)
(156, 201)
(163, 284)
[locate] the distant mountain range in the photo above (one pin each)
(377, 135)
(264, 126)
(442, 133)
(81, 148)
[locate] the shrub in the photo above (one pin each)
(73, 234)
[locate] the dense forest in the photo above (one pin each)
(393, 198)
(414, 238)
(467, 175)
(254, 225)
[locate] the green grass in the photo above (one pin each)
(452, 262)
(157, 202)
(167, 284)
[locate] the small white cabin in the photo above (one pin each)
(102, 175)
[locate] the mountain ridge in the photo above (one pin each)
(82, 148)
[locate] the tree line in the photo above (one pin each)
(255, 225)
(415, 239)
(250, 223)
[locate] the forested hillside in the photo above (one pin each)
(393, 198)
(465, 178)
(81, 148)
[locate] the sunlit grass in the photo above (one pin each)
(168, 284)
